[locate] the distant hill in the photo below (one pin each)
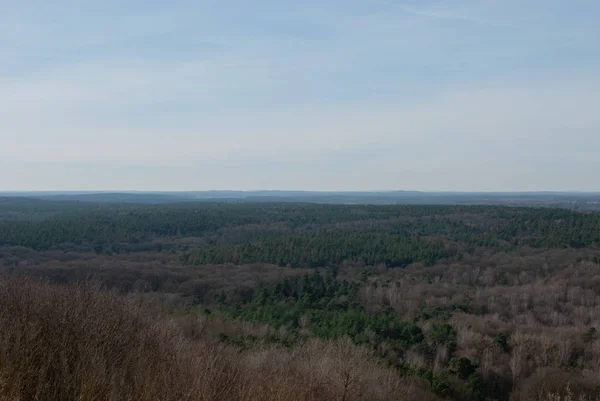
(571, 200)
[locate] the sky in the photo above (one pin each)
(454, 95)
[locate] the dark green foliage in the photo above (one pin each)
(426, 349)
(475, 386)
(324, 249)
(296, 235)
(590, 335)
(501, 340)
(438, 383)
(328, 308)
(324, 306)
(462, 367)
(443, 335)
(365, 274)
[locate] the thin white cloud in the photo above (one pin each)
(444, 13)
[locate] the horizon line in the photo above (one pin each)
(382, 191)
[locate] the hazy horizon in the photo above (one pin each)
(459, 96)
(290, 191)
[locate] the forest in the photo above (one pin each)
(298, 301)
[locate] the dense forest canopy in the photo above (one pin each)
(454, 302)
(297, 234)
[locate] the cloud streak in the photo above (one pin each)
(442, 14)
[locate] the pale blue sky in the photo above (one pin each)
(319, 95)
